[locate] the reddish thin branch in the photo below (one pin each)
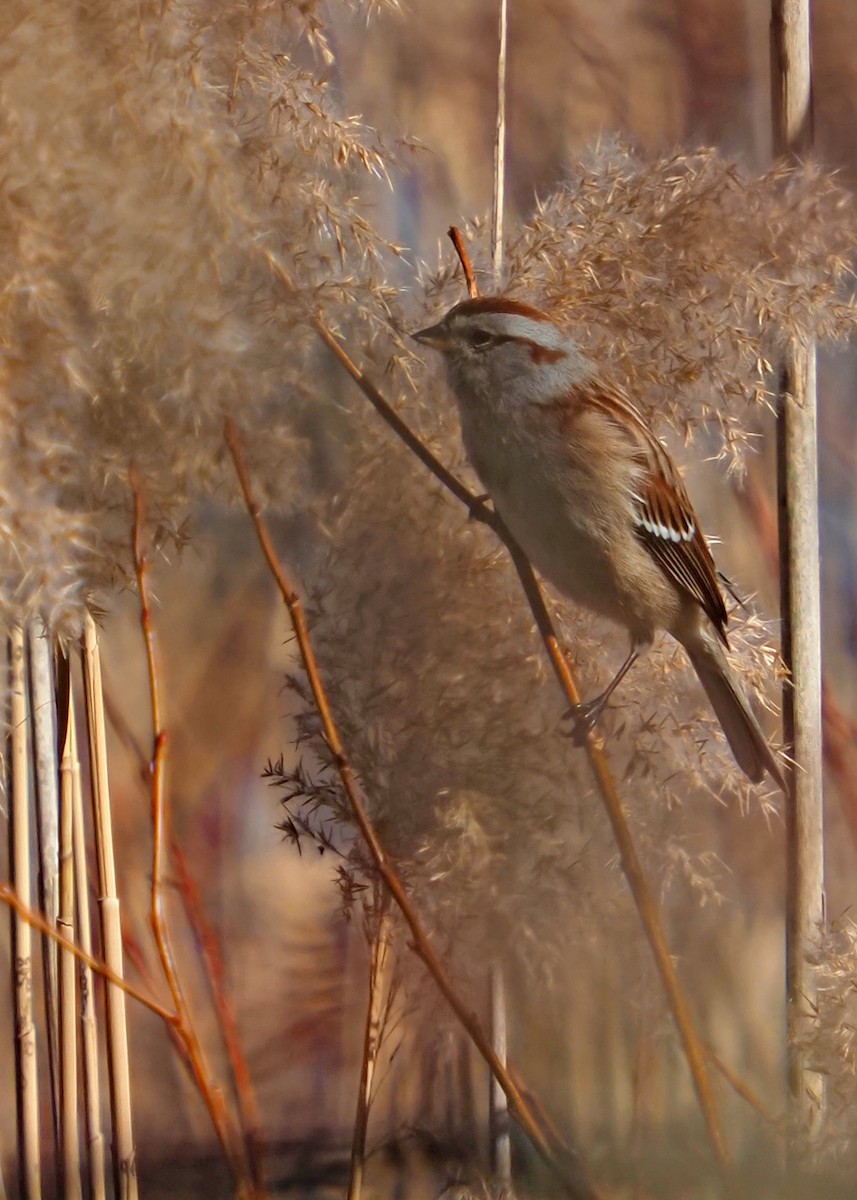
(212, 960)
(10, 898)
(572, 1173)
(631, 866)
(211, 1094)
(457, 240)
(209, 947)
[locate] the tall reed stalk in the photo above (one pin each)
(96, 1152)
(46, 776)
(498, 1108)
(26, 1061)
(797, 485)
(124, 1157)
(68, 996)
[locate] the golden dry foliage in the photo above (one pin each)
(157, 159)
(166, 167)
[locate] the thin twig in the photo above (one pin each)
(739, 1086)
(572, 1171)
(10, 897)
(212, 959)
(464, 258)
(211, 1094)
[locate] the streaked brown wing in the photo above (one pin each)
(669, 529)
(666, 522)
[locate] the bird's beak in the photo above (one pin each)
(436, 337)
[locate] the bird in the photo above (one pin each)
(592, 496)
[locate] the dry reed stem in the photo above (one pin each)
(739, 1086)
(209, 948)
(119, 1069)
(68, 1075)
(498, 1111)
(371, 1045)
(840, 730)
(499, 1133)
(45, 751)
(571, 1170)
(26, 1062)
(499, 189)
(211, 1093)
(96, 1152)
(800, 594)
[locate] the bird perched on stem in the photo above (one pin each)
(592, 496)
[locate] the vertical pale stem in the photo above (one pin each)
(498, 1107)
(499, 190)
(88, 1022)
(498, 1111)
(797, 456)
(371, 1045)
(124, 1158)
(26, 1067)
(44, 733)
(69, 1133)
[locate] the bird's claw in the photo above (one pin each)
(479, 509)
(583, 718)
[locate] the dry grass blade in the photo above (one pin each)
(568, 1167)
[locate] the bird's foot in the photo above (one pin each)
(479, 508)
(584, 718)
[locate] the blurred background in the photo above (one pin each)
(594, 1041)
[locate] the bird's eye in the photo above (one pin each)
(480, 339)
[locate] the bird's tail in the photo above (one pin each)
(743, 732)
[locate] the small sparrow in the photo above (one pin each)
(591, 495)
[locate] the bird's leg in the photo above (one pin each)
(585, 715)
(479, 507)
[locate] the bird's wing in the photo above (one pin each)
(666, 523)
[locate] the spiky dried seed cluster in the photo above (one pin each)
(158, 161)
(686, 275)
